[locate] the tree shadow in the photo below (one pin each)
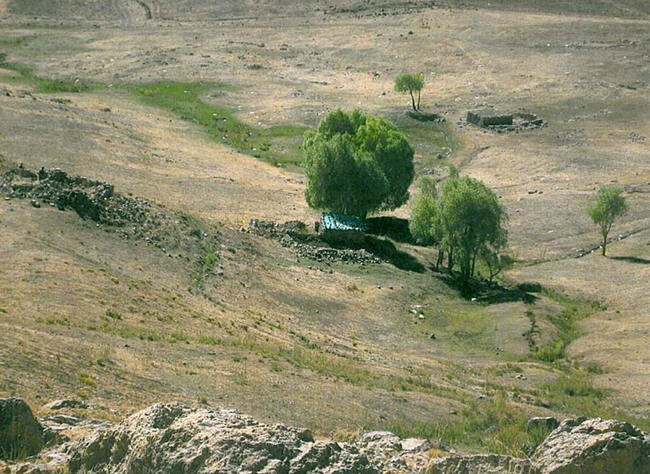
(392, 227)
(642, 261)
(385, 250)
(486, 292)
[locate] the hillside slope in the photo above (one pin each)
(204, 10)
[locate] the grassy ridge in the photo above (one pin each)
(280, 145)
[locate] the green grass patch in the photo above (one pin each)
(433, 141)
(567, 324)
(280, 145)
(87, 379)
(494, 426)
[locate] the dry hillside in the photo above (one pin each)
(118, 92)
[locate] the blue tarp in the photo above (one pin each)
(343, 222)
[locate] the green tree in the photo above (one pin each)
(425, 224)
(464, 220)
(413, 83)
(473, 222)
(392, 151)
(357, 164)
(341, 178)
(609, 205)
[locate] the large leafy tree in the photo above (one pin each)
(413, 83)
(609, 205)
(393, 153)
(357, 164)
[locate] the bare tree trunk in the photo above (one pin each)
(413, 101)
(450, 261)
(441, 258)
(419, 95)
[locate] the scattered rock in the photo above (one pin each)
(542, 422)
(66, 403)
(479, 464)
(295, 236)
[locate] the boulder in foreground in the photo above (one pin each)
(594, 446)
(173, 438)
(21, 435)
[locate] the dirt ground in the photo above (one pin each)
(586, 75)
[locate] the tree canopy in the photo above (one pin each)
(413, 83)
(357, 164)
(609, 205)
(465, 221)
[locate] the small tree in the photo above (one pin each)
(357, 164)
(413, 83)
(610, 204)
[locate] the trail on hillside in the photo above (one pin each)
(129, 10)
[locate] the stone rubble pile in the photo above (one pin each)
(295, 236)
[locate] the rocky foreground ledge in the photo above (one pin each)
(178, 439)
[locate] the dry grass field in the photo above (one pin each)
(119, 91)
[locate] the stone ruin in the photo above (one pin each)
(488, 118)
(500, 122)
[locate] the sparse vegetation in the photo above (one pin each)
(251, 323)
(87, 379)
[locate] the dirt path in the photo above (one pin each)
(130, 10)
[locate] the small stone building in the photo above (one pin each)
(340, 228)
(489, 118)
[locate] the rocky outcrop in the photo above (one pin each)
(594, 446)
(177, 439)
(576, 446)
(391, 454)
(21, 435)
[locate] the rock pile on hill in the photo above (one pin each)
(177, 439)
(295, 236)
(130, 217)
